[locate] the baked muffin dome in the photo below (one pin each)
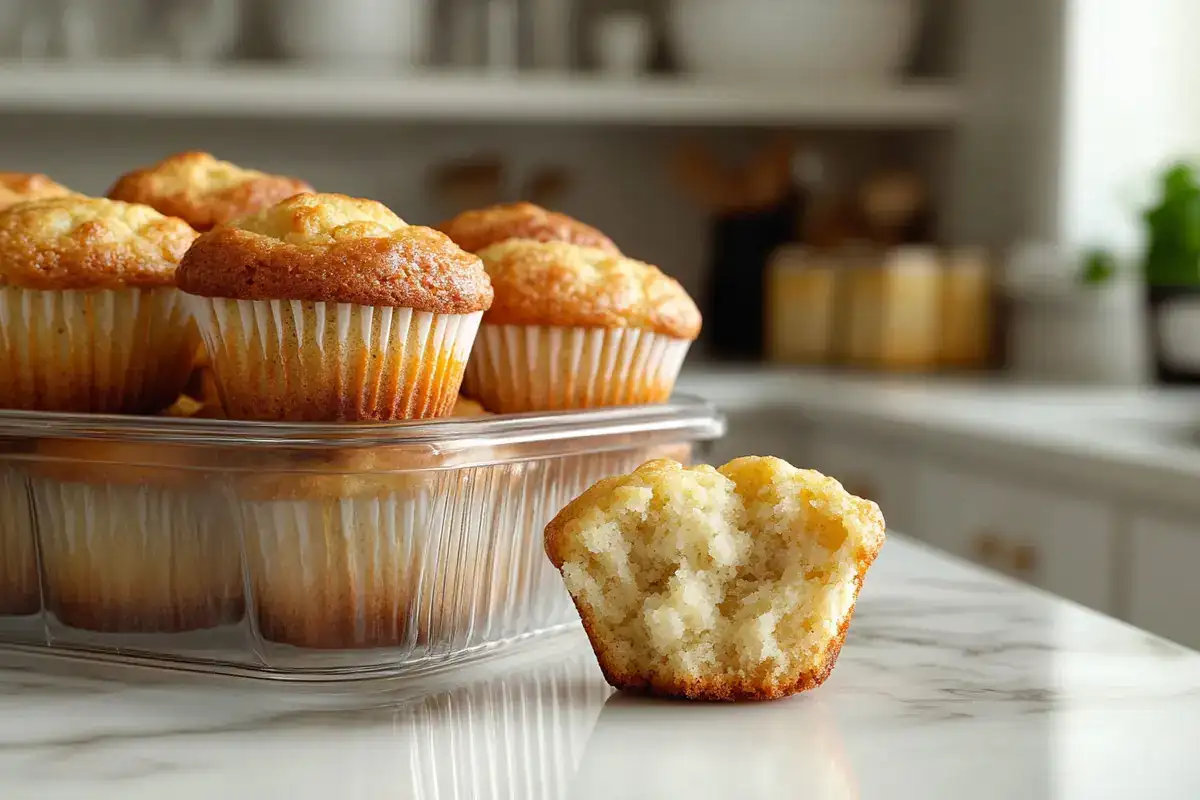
(77, 242)
(203, 190)
(554, 283)
(576, 327)
(475, 230)
(728, 584)
(327, 308)
(22, 187)
(90, 319)
(333, 248)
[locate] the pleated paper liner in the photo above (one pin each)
(20, 594)
(315, 361)
(428, 569)
(121, 351)
(120, 558)
(333, 574)
(515, 368)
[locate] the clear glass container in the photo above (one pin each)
(308, 551)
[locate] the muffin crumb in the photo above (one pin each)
(729, 584)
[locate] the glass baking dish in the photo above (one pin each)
(301, 550)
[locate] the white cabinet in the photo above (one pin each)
(871, 469)
(762, 432)
(1059, 542)
(1164, 593)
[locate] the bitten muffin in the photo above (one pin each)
(204, 191)
(576, 327)
(134, 539)
(90, 319)
(475, 230)
(730, 584)
(326, 307)
(23, 187)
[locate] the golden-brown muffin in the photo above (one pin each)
(135, 538)
(335, 541)
(90, 319)
(204, 191)
(730, 584)
(464, 407)
(23, 187)
(352, 314)
(475, 230)
(20, 590)
(576, 327)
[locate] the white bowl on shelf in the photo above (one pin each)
(850, 41)
(358, 34)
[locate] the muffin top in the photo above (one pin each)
(475, 230)
(464, 407)
(554, 283)
(117, 463)
(204, 191)
(333, 248)
(89, 243)
(21, 187)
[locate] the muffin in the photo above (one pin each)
(134, 539)
(475, 230)
(730, 584)
(326, 307)
(20, 594)
(465, 407)
(23, 187)
(337, 548)
(576, 327)
(204, 191)
(90, 319)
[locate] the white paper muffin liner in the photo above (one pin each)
(516, 368)
(110, 351)
(299, 360)
(20, 594)
(146, 559)
(341, 574)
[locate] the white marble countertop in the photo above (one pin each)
(1141, 441)
(952, 684)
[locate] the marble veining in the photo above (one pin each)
(953, 683)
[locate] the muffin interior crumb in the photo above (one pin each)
(745, 573)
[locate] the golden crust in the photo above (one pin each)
(104, 462)
(475, 230)
(464, 407)
(22, 187)
(559, 284)
(204, 191)
(333, 248)
(341, 473)
(753, 477)
(89, 243)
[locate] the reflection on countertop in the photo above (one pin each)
(953, 683)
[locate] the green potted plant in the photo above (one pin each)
(1172, 272)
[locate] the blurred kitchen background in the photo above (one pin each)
(947, 250)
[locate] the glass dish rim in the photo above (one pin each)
(683, 413)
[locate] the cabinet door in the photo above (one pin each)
(1164, 594)
(761, 432)
(870, 469)
(1057, 541)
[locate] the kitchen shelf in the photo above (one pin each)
(169, 90)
